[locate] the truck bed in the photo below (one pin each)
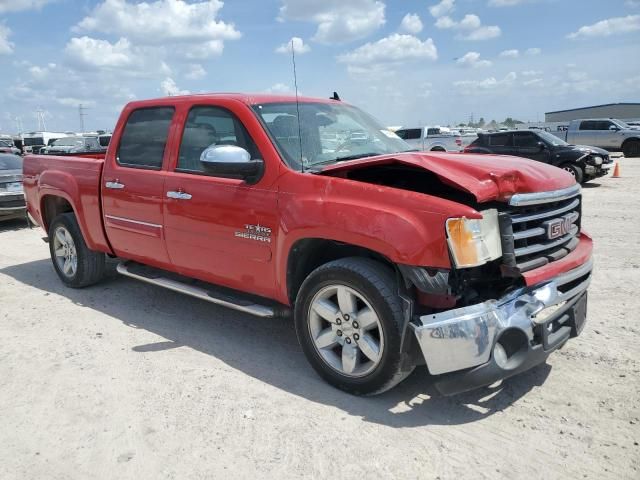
(74, 178)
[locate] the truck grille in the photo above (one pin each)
(540, 228)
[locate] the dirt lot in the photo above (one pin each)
(126, 380)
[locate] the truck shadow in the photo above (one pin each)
(267, 350)
(13, 224)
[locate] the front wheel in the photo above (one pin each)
(349, 320)
(575, 171)
(631, 148)
(75, 264)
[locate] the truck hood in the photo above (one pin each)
(486, 177)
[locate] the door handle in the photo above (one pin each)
(179, 195)
(114, 185)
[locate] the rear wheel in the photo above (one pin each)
(574, 170)
(349, 321)
(631, 148)
(75, 264)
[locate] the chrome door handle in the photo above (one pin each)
(179, 195)
(114, 185)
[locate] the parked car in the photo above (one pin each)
(608, 133)
(12, 204)
(584, 163)
(435, 139)
(70, 145)
(7, 146)
(33, 142)
(387, 258)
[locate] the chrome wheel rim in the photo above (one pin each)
(64, 250)
(346, 331)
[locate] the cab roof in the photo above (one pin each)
(246, 98)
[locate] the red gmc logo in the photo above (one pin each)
(559, 227)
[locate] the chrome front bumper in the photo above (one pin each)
(507, 332)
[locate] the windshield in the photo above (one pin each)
(6, 143)
(551, 138)
(330, 133)
(30, 141)
(10, 162)
(69, 142)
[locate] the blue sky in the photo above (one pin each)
(404, 61)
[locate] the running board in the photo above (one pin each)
(162, 278)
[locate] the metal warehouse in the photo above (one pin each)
(623, 111)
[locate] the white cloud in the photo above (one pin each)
(442, 8)
(169, 88)
(338, 21)
(195, 72)
(610, 26)
(91, 52)
(279, 88)
(472, 59)
(533, 51)
(534, 82)
(411, 23)
(530, 73)
(299, 47)
(20, 5)
(6, 47)
(395, 48)
(472, 87)
(469, 28)
(632, 3)
(513, 53)
(163, 22)
(506, 3)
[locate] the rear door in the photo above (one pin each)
(501, 143)
(133, 187)
(220, 230)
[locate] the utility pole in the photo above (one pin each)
(81, 114)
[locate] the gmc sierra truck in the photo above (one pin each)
(387, 258)
(608, 133)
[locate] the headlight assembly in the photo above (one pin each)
(474, 242)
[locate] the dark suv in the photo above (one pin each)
(584, 163)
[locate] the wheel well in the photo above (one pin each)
(308, 254)
(438, 149)
(629, 140)
(52, 206)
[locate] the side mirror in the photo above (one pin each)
(613, 128)
(231, 161)
(541, 146)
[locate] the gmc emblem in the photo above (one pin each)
(560, 226)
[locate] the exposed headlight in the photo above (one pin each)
(597, 160)
(474, 242)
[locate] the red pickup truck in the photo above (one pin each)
(387, 258)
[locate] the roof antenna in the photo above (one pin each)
(335, 97)
(295, 83)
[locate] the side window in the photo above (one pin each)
(433, 131)
(208, 126)
(499, 140)
(409, 134)
(144, 138)
(604, 124)
(526, 140)
(588, 125)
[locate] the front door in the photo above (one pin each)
(527, 144)
(133, 187)
(220, 230)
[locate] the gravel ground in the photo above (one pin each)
(126, 380)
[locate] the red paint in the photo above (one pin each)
(202, 238)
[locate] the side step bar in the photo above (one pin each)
(159, 277)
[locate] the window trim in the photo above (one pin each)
(233, 116)
(166, 142)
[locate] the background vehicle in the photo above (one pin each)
(34, 141)
(12, 204)
(69, 145)
(7, 146)
(435, 139)
(104, 139)
(608, 133)
(584, 163)
(388, 258)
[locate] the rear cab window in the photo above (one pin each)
(409, 133)
(144, 138)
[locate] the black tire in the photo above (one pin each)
(574, 170)
(89, 266)
(377, 284)
(631, 148)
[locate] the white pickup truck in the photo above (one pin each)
(608, 133)
(435, 139)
